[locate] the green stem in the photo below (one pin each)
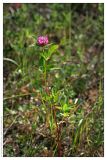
(45, 69)
(45, 72)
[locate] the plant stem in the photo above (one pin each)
(45, 69)
(45, 72)
(58, 134)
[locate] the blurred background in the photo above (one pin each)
(76, 28)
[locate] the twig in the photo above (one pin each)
(10, 125)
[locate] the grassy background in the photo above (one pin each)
(64, 118)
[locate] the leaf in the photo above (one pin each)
(57, 107)
(10, 60)
(51, 122)
(53, 48)
(80, 122)
(65, 107)
(64, 114)
(47, 54)
(34, 126)
(55, 68)
(11, 111)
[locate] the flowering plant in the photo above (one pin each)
(42, 40)
(45, 54)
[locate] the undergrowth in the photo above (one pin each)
(53, 80)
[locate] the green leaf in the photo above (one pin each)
(34, 126)
(65, 107)
(51, 122)
(64, 114)
(53, 48)
(47, 54)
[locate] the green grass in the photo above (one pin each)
(53, 95)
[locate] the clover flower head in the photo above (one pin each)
(42, 40)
